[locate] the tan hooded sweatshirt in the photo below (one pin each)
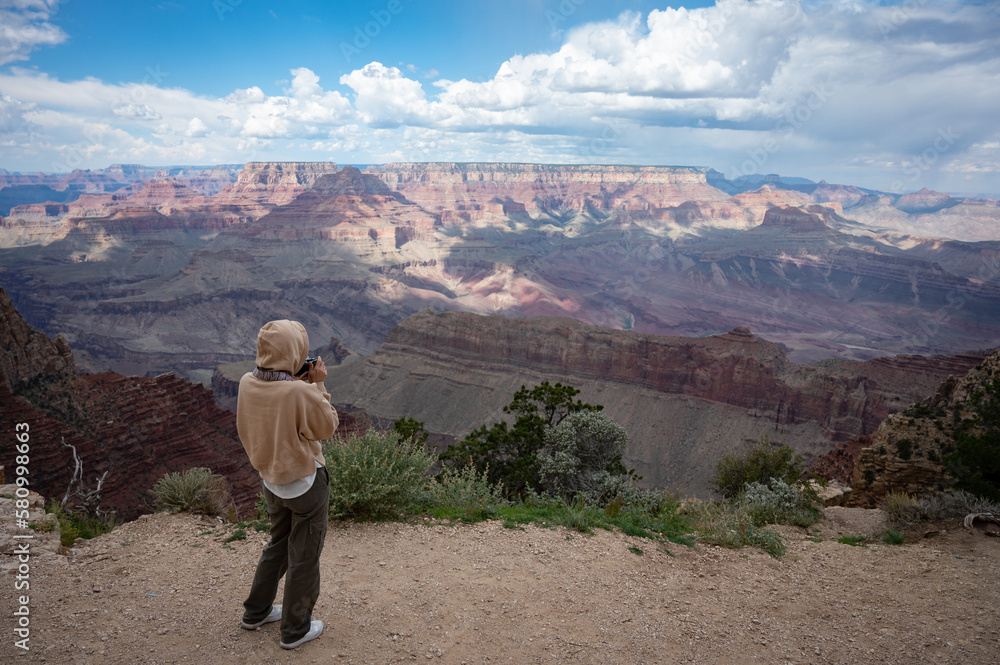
(282, 422)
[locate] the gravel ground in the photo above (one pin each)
(168, 589)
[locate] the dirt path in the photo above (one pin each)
(167, 589)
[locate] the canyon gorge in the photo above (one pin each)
(701, 311)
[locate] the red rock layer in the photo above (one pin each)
(136, 428)
(838, 464)
(479, 191)
(846, 398)
(275, 182)
(347, 206)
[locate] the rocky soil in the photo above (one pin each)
(169, 589)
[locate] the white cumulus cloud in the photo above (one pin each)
(24, 26)
(848, 90)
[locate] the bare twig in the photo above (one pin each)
(77, 472)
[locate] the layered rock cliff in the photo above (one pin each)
(907, 452)
(156, 277)
(143, 210)
(347, 207)
(481, 191)
(135, 428)
(275, 182)
(684, 401)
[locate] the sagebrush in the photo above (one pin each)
(196, 490)
(903, 510)
(375, 475)
(779, 503)
(465, 490)
(581, 458)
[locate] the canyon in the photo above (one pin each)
(176, 268)
(702, 311)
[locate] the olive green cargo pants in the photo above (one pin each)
(298, 530)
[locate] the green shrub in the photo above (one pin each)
(904, 449)
(410, 429)
(727, 525)
(762, 462)
(73, 525)
(375, 475)
(893, 537)
(465, 491)
(238, 534)
(197, 490)
(581, 458)
(778, 503)
(854, 541)
(975, 461)
(654, 503)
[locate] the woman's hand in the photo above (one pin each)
(317, 373)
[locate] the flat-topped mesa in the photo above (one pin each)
(535, 188)
(275, 182)
(346, 206)
(796, 220)
(161, 192)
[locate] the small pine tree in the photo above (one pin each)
(507, 453)
(410, 429)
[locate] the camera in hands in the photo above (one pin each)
(310, 361)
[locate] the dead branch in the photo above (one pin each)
(985, 517)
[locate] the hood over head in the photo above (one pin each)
(282, 345)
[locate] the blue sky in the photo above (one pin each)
(895, 96)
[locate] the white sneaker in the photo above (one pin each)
(315, 630)
(274, 615)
